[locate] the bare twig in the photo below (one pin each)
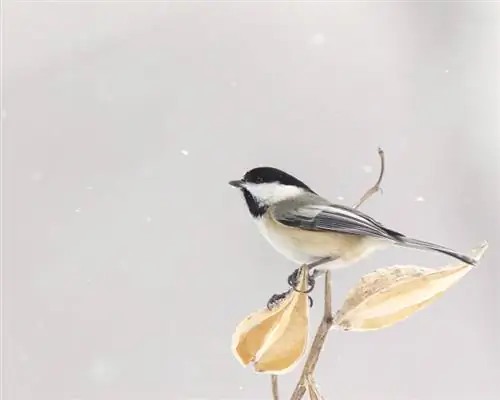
(319, 340)
(375, 188)
(274, 387)
(306, 381)
(313, 390)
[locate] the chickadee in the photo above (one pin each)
(308, 229)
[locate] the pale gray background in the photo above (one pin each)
(128, 263)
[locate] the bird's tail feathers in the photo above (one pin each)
(421, 245)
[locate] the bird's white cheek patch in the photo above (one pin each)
(273, 192)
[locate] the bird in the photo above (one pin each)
(308, 229)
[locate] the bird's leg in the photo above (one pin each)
(316, 273)
(293, 281)
(311, 279)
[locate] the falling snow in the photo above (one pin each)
(146, 170)
(148, 219)
(78, 210)
(340, 198)
(23, 357)
(90, 187)
(367, 168)
(102, 371)
(446, 71)
(184, 152)
(419, 198)
(318, 39)
(104, 94)
(37, 176)
(234, 84)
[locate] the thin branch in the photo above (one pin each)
(375, 188)
(312, 389)
(319, 340)
(306, 381)
(274, 387)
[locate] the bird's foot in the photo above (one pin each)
(276, 299)
(294, 277)
(279, 297)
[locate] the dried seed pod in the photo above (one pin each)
(273, 341)
(389, 295)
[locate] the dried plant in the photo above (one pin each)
(306, 381)
(274, 340)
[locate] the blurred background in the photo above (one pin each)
(127, 258)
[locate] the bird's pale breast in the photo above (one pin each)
(302, 246)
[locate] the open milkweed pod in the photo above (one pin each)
(275, 340)
(389, 295)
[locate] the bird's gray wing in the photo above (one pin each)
(331, 218)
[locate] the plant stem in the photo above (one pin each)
(274, 387)
(319, 340)
(306, 381)
(375, 188)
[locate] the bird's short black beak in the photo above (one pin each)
(236, 184)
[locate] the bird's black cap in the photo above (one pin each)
(273, 175)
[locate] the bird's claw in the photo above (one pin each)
(279, 297)
(293, 281)
(276, 299)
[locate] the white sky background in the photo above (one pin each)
(129, 260)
